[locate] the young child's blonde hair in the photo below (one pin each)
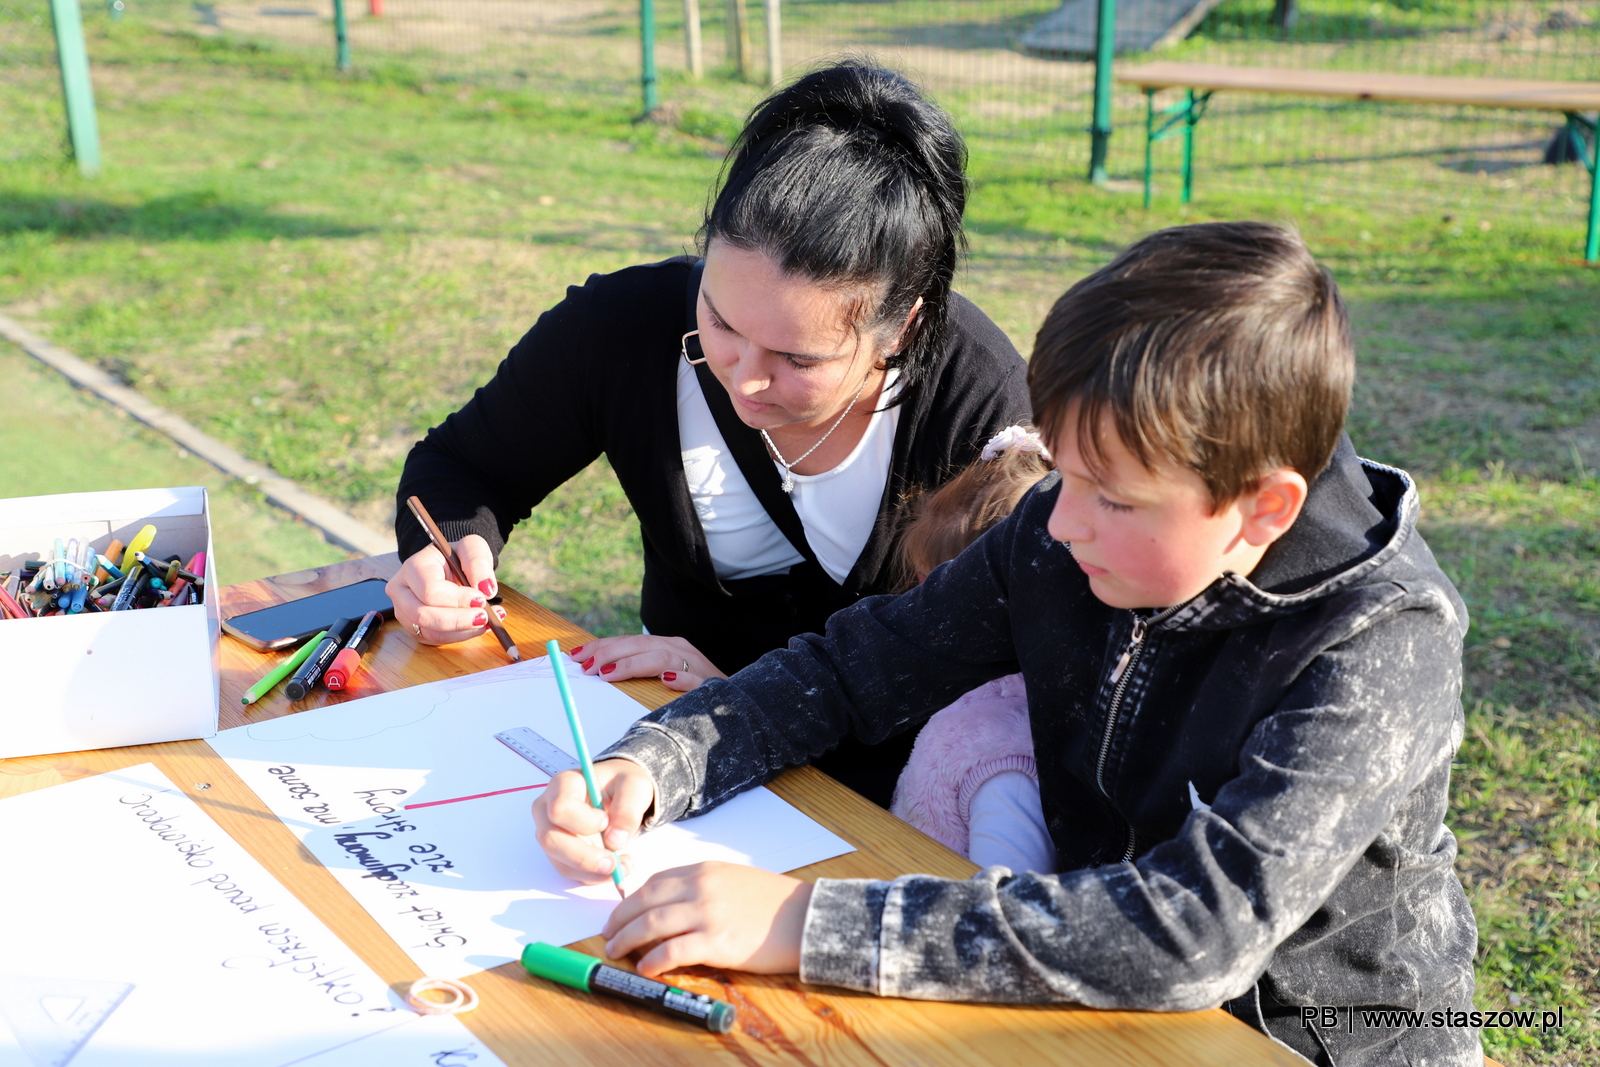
(942, 523)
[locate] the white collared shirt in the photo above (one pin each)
(837, 507)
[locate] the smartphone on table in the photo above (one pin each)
(287, 624)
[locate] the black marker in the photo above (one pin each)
(305, 679)
(132, 589)
(589, 974)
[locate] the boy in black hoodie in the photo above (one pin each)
(1243, 669)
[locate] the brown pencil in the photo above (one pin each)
(454, 563)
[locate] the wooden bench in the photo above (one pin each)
(1200, 81)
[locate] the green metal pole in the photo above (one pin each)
(1189, 120)
(647, 45)
(1591, 248)
(341, 36)
(82, 127)
(1149, 139)
(1105, 48)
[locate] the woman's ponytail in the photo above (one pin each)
(851, 176)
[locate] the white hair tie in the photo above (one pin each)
(1017, 437)
(458, 996)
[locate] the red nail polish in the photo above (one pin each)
(476, 602)
(500, 613)
(608, 668)
(588, 663)
(480, 619)
(487, 587)
(669, 676)
(577, 651)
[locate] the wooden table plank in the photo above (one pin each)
(531, 1022)
(1357, 85)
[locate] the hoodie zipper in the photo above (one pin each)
(1121, 674)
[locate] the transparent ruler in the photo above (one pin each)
(52, 1018)
(533, 747)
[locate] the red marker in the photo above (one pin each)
(349, 657)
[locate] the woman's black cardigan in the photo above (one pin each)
(598, 374)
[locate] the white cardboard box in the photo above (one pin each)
(106, 679)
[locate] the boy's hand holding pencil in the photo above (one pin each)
(718, 914)
(580, 840)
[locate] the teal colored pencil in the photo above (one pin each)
(558, 661)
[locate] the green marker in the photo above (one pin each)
(590, 975)
(281, 671)
(558, 661)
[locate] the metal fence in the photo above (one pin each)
(1015, 75)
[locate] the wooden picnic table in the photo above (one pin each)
(1201, 80)
(531, 1022)
(1359, 85)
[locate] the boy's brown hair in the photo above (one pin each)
(941, 524)
(1222, 348)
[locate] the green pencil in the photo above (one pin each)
(281, 671)
(554, 650)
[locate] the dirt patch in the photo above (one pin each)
(407, 25)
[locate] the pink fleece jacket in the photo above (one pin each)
(961, 747)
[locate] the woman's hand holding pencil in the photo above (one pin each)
(435, 582)
(426, 595)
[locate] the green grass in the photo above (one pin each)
(317, 269)
(56, 439)
(1526, 555)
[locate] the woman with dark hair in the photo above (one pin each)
(766, 407)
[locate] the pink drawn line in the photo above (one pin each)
(476, 796)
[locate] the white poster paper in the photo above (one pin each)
(423, 816)
(135, 933)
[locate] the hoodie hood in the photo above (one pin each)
(1354, 510)
(1356, 528)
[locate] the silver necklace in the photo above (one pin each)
(788, 468)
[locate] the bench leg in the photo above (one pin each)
(1591, 246)
(1149, 139)
(1187, 113)
(1588, 153)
